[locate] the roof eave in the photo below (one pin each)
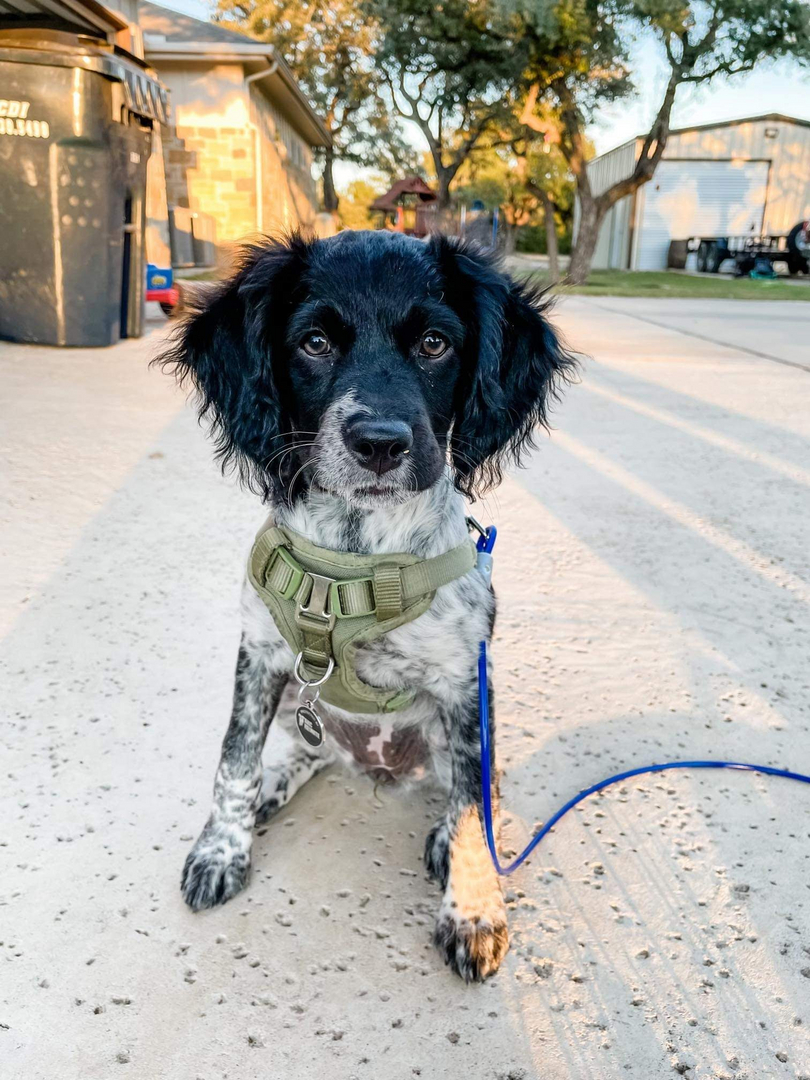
(303, 115)
(299, 109)
(773, 118)
(205, 50)
(320, 135)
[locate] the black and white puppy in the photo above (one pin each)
(363, 385)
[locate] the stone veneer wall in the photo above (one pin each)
(212, 170)
(289, 197)
(221, 127)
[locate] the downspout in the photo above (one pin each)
(257, 146)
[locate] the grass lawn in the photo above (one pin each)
(672, 283)
(198, 275)
(652, 283)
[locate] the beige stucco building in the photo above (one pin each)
(742, 177)
(241, 139)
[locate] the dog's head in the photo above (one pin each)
(360, 363)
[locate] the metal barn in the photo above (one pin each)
(725, 179)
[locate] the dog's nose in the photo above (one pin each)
(379, 445)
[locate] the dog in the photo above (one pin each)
(362, 386)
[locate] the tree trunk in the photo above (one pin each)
(330, 196)
(592, 214)
(444, 177)
(551, 237)
(594, 208)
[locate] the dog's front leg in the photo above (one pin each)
(219, 863)
(471, 931)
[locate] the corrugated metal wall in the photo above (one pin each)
(613, 166)
(783, 143)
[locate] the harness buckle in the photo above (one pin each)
(315, 616)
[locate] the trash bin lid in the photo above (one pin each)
(87, 16)
(143, 93)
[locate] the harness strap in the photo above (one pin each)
(384, 594)
(387, 589)
(327, 603)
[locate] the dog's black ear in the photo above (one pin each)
(225, 344)
(513, 364)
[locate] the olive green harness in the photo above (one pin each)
(326, 604)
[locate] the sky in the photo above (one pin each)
(773, 87)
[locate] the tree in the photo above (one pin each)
(579, 60)
(387, 153)
(356, 200)
(543, 170)
(526, 178)
(491, 177)
(545, 174)
(330, 46)
(449, 68)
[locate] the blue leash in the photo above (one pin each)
(485, 545)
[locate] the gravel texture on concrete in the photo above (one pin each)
(653, 574)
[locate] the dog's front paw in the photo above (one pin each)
(472, 944)
(217, 867)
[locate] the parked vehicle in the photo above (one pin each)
(755, 254)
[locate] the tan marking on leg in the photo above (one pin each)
(471, 929)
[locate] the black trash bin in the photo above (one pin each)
(75, 138)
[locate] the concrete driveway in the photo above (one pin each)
(778, 330)
(654, 580)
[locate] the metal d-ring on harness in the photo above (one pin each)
(310, 725)
(484, 563)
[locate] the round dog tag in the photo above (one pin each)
(309, 724)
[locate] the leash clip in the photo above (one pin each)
(484, 546)
(474, 523)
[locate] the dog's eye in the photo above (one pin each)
(316, 344)
(432, 344)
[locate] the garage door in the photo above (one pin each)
(699, 198)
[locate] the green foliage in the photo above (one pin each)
(489, 176)
(515, 181)
(450, 68)
(584, 45)
(513, 178)
(355, 201)
(531, 239)
(330, 46)
(578, 60)
(388, 153)
(583, 42)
